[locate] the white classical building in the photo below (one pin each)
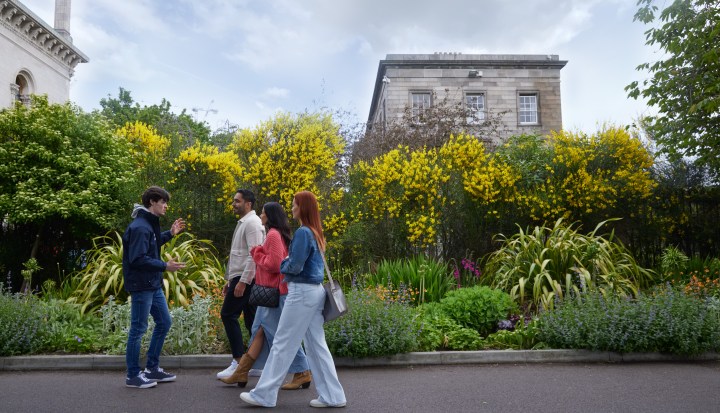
(35, 58)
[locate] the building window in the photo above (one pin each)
(420, 102)
(475, 104)
(528, 108)
(23, 87)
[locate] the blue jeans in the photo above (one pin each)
(301, 321)
(268, 319)
(143, 304)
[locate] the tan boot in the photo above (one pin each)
(240, 376)
(300, 380)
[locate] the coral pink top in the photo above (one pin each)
(268, 257)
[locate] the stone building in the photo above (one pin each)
(524, 90)
(35, 58)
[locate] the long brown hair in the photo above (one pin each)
(309, 214)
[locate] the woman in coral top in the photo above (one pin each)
(268, 257)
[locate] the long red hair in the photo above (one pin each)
(309, 214)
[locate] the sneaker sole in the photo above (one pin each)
(144, 386)
(165, 380)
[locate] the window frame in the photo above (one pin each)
(416, 113)
(521, 111)
(483, 111)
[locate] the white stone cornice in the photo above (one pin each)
(18, 18)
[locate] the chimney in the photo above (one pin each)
(62, 18)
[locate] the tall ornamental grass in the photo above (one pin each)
(431, 278)
(536, 266)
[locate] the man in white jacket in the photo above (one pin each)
(240, 275)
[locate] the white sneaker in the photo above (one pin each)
(318, 403)
(228, 371)
(255, 372)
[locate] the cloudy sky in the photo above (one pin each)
(240, 61)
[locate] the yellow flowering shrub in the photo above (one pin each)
(145, 142)
(599, 175)
(208, 172)
(291, 153)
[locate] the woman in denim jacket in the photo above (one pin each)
(301, 319)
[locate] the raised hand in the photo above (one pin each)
(177, 227)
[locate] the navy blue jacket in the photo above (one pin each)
(142, 266)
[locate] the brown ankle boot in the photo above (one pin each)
(300, 380)
(240, 376)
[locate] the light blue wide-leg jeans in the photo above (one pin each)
(301, 319)
(269, 319)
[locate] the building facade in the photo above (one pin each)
(522, 90)
(35, 58)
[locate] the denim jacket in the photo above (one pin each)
(304, 263)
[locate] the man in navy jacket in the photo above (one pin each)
(143, 271)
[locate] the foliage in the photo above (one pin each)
(523, 337)
(179, 127)
(63, 177)
(468, 275)
(429, 277)
(589, 178)
(190, 332)
(703, 287)
(21, 323)
(672, 260)
(665, 321)
(440, 332)
(373, 327)
(148, 150)
(102, 277)
(290, 153)
(685, 84)
(203, 183)
(556, 261)
(70, 331)
(479, 308)
(56, 160)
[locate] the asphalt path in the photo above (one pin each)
(562, 387)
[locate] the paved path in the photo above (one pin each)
(564, 387)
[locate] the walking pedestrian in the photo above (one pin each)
(301, 319)
(240, 276)
(267, 259)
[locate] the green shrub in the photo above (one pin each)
(431, 278)
(478, 308)
(666, 321)
(537, 266)
(440, 332)
(523, 337)
(70, 331)
(21, 323)
(372, 327)
(190, 332)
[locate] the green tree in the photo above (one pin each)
(60, 168)
(685, 85)
(181, 128)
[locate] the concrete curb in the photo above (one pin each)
(104, 362)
